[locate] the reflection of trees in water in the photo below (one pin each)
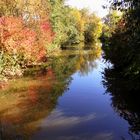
(26, 102)
(84, 63)
(125, 98)
(22, 110)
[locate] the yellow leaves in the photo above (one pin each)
(36, 7)
(88, 25)
(80, 20)
(29, 9)
(95, 26)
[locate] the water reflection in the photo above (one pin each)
(29, 106)
(58, 119)
(23, 109)
(125, 98)
(26, 102)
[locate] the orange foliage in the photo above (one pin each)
(47, 85)
(46, 31)
(17, 38)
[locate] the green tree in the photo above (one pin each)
(93, 28)
(110, 23)
(123, 47)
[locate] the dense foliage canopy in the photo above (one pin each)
(122, 48)
(31, 31)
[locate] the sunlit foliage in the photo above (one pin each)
(93, 28)
(31, 31)
(25, 33)
(110, 23)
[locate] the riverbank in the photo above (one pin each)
(96, 51)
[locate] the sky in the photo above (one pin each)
(92, 5)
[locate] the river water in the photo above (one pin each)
(68, 100)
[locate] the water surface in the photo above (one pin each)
(66, 101)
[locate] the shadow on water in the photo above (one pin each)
(125, 98)
(26, 102)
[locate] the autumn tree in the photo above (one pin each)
(25, 34)
(93, 28)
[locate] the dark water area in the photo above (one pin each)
(74, 98)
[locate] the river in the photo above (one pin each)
(69, 100)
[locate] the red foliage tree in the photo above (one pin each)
(17, 38)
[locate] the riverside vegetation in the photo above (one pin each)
(32, 31)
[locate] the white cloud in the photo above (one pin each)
(59, 119)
